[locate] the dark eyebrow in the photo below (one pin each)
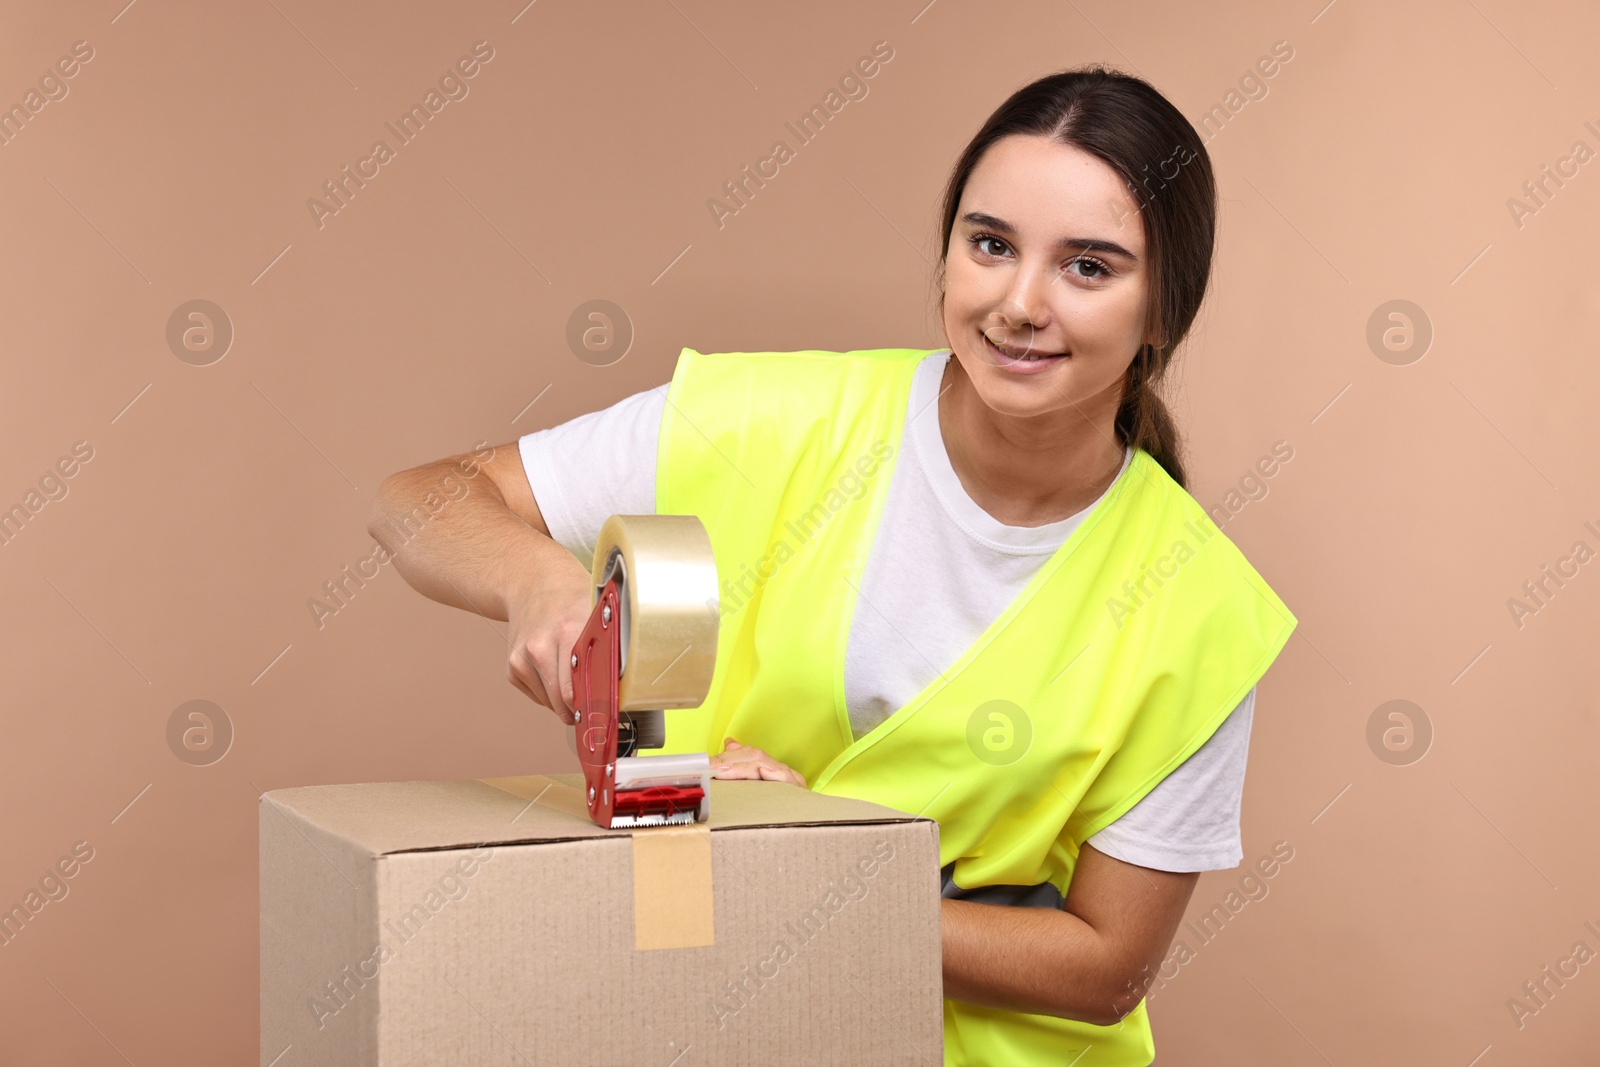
(1087, 244)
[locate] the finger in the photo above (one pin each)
(550, 679)
(775, 774)
(539, 700)
(782, 773)
(518, 675)
(525, 678)
(564, 674)
(511, 676)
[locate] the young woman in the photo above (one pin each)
(971, 577)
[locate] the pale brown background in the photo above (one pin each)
(433, 309)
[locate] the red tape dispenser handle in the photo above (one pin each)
(649, 645)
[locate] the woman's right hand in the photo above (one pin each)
(545, 623)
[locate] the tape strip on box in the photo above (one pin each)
(672, 898)
(546, 791)
(672, 887)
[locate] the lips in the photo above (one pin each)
(1017, 355)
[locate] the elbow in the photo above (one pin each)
(1104, 1009)
(378, 514)
(1120, 1000)
(1121, 1006)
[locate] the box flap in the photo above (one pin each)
(391, 817)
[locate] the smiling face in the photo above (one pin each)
(1046, 257)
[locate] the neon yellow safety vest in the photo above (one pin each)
(1120, 657)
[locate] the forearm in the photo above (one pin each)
(453, 539)
(1044, 961)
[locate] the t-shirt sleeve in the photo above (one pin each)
(1190, 820)
(589, 468)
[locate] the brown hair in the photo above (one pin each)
(1125, 122)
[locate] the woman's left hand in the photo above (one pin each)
(742, 761)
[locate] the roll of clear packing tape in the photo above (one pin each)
(667, 577)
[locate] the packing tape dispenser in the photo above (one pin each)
(650, 645)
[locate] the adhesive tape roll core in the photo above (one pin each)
(668, 578)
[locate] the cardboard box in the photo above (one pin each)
(491, 922)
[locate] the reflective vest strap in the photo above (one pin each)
(785, 458)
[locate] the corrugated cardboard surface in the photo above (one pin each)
(459, 923)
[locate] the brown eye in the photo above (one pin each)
(1100, 269)
(983, 239)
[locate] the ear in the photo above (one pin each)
(1152, 331)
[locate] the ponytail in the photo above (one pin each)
(1143, 420)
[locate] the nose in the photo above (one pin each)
(1022, 312)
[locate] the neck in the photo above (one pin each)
(1028, 471)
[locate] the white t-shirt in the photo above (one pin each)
(953, 569)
